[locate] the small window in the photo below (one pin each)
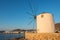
(42, 16)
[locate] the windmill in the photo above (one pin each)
(45, 23)
(32, 14)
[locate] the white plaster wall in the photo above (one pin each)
(45, 23)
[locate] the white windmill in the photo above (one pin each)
(44, 21)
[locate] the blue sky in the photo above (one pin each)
(13, 12)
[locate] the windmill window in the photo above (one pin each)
(42, 16)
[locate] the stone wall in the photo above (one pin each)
(42, 36)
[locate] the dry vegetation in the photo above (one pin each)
(43, 36)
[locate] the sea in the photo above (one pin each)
(10, 36)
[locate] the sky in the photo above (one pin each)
(13, 13)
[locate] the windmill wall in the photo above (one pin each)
(45, 23)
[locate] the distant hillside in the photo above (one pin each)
(2, 31)
(17, 30)
(23, 30)
(57, 26)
